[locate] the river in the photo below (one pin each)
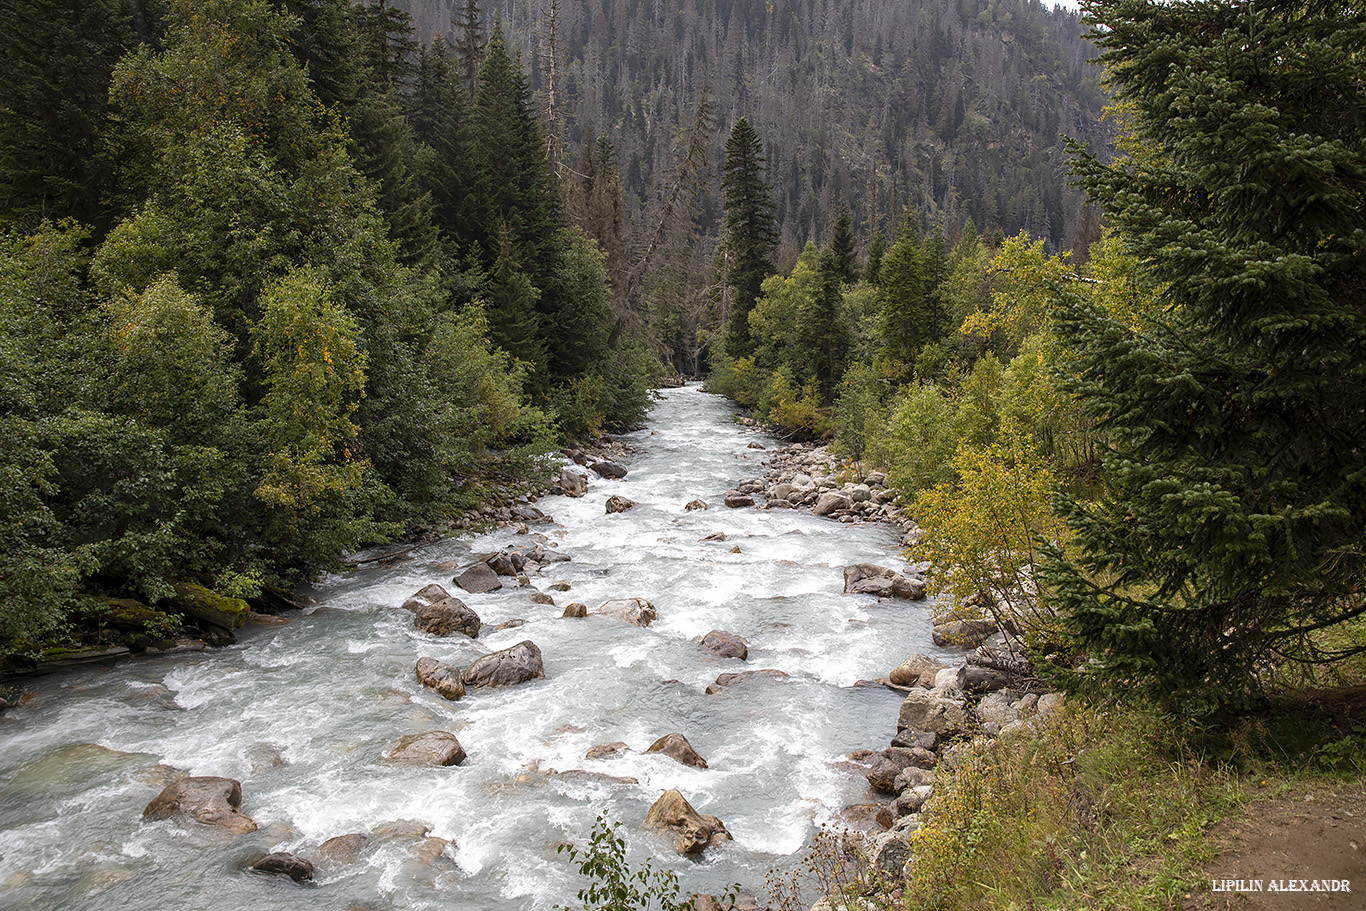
(302, 714)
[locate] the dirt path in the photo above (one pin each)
(1319, 834)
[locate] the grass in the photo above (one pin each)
(1104, 807)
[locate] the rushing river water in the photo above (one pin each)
(302, 714)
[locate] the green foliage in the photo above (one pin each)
(617, 885)
(980, 534)
(858, 412)
(1228, 534)
(314, 375)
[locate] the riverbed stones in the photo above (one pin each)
(607, 750)
(694, 505)
(726, 645)
(962, 633)
(724, 681)
(573, 480)
(542, 598)
(282, 863)
(830, 503)
(932, 710)
(692, 831)
(509, 667)
(443, 678)
(994, 711)
(871, 579)
(209, 800)
(479, 579)
(736, 500)
(448, 617)
(677, 748)
(917, 670)
(343, 850)
(610, 470)
(432, 748)
(575, 610)
(632, 610)
(616, 503)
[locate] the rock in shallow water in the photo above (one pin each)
(434, 748)
(282, 863)
(209, 800)
(517, 664)
(677, 748)
(448, 617)
(692, 831)
(632, 610)
(443, 678)
(726, 645)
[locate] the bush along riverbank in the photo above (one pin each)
(205, 613)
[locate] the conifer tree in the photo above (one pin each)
(1230, 530)
(844, 256)
(901, 293)
(749, 232)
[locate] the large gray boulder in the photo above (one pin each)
(724, 681)
(917, 670)
(517, 664)
(434, 748)
(871, 579)
(934, 711)
(830, 503)
(479, 579)
(209, 800)
(448, 617)
(443, 678)
(609, 470)
(632, 610)
(692, 831)
(428, 594)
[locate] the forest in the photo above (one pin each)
(284, 278)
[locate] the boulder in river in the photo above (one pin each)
(443, 678)
(726, 645)
(210, 800)
(282, 863)
(616, 503)
(692, 831)
(607, 750)
(610, 470)
(694, 505)
(448, 617)
(343, 850)
(427, 594)
(575, 609)
(736, 500)
(676, 747)
(727, 680)
(434, 748)
(517, 664)
(871, 579)
(573, 480)
(210, 608)
(479, 579)
(917, 670)
(632, 610)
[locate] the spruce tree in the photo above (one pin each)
(749, 232)
(1229, 531)
(844, 255)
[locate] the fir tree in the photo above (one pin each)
(749, 232)
(844, 256)
(1229, 533)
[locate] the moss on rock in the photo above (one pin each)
(210, 607)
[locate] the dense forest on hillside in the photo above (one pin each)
(953, 110)
(274, 285)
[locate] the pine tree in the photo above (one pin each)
(56, 59)
(469, 46)
(903, 322)
(749, 232)
(842, 250)
(1229, 533)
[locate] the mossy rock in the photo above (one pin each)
(136, 617)
(206, 606)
